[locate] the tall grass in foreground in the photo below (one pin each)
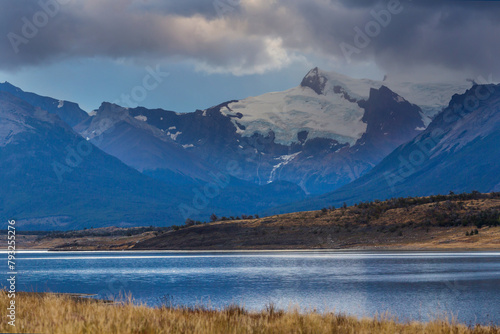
(49, 313)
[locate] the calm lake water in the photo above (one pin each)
(413, 285)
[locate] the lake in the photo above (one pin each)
(409, 285)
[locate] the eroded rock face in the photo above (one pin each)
(315, 81)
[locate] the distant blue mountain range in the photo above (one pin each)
(63, 168)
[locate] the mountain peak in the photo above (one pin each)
(315, 80)
(67, 111)
(385, 90)
(391, 120)
(7, 86)
(105, 105)
(109, 106)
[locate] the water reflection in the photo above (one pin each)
(407, 285)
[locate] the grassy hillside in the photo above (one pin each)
(426, 222)
(464, 221)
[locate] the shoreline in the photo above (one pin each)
(295, 250)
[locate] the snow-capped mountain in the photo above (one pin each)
(320, 135)
(334, 116)
(390, 121)
(457, 152)
(326, 105)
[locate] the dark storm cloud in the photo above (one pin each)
(253, 36)
(183, 8)
(461, 35)
(126, 29)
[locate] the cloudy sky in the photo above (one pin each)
(208, 51)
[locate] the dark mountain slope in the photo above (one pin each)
(69, 112)
(140, 145)
(52, 178)
(49, 173)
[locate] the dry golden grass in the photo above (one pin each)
(49, 313)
